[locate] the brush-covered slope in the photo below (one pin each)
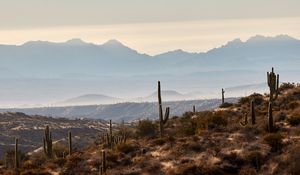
(208, 142)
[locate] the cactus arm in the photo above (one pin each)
(167, 114)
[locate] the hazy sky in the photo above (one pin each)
(151, 26)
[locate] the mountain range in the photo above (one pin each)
(41, 73)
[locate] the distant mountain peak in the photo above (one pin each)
(236, 41)
(113, 42)
(76, 41)
(281, 37)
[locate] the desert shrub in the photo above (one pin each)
(286, 86)
(112, 157)
(294, 161)
(258, 99)
(281, 116)
(226, 105)
(146, 128)
(274, 140)
(28, 165)
(248, 171)
(187, 115)
(126, 147)
(254, 158)
(159, 141)
(60, 150)
(233, 159)
(194, 146)
(294, 120)
(35, 172)
(10, 157)
(187, 126)
(59, 161)
(293, 105)
(75, 164)
(217, 119)
(192, 169)
(38, 159)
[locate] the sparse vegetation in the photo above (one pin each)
(203, 142)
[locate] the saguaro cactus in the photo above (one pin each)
(47, 142)
(103, 161)
(252, 112)
(70, 143)
(110, 135)
(16, 154)
(273, 83)
(162, 119)
(194, 109)
(223, 99)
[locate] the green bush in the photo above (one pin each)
(146, 128)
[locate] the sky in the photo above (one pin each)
(152, 26)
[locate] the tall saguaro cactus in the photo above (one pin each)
(162, 119)
(70, 143)
(273, 83)
(47, 142)
(110, 135)
(223, 99)
(103, 162)
(252, 112)
(16, 154)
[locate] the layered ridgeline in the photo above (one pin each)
(40, 73)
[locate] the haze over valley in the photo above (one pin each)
(41, 73)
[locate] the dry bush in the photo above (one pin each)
(286, 86)
(226, 105)
(294, 120)
(274, 140)
(126, 147)
(233, 159)
(159, 141)
(192, 169)
(187, 126)
(38, 159)
(35, 172)
(292, 105)
(60, 150)
(146, 128)
(255, 159)
(248, 171)
(75, 164)
(258, 99)
(294, 161)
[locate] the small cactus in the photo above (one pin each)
(252, 111)
(223, 99)
(70, 143)
(162, 119)
(110, 135)
(103, 161)
(47, 140)
(16, 154)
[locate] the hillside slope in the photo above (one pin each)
(208, 142)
